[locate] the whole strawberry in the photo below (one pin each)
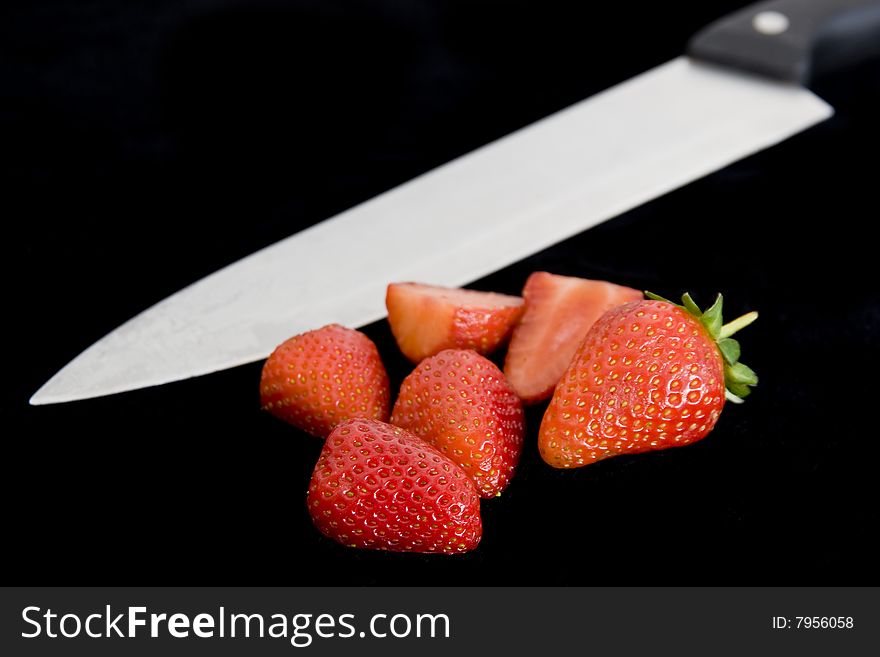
(378, 486)
(649, 375)
(317, 379)
(460, 402)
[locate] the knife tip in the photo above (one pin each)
(57, 391)
(44, 397)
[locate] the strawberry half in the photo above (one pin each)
(378, 486)
(559, 311)
(649, 375)
(427, 319)
(460, 402)
(317, 379)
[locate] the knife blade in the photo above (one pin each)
(739, 90)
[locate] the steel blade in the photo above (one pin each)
(463, 220)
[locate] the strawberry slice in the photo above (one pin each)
(559, 310)
(426, 319)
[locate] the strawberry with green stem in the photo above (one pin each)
(648, 375)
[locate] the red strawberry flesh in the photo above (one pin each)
(427, 319)
(559, 312)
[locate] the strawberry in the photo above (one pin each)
(378, 486)
(426, 319)
(317, 379)
(649, 375)
(460, 402)
(559, 312)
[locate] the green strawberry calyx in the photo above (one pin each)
(739, 378)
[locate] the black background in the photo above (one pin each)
(146, 144)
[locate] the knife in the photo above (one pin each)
(741, 87)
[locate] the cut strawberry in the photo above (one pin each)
(559, 310)
(427, 319)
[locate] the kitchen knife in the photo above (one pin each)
(740, 88)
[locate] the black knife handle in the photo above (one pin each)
(795, 40)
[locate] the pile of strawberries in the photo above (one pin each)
(626, 375)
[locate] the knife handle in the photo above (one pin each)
(794, 40)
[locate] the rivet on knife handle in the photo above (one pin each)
(795, 40)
